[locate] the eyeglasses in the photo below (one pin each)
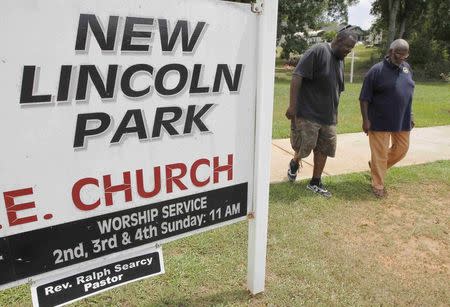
(401, 55)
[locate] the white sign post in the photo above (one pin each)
(257, 238)
(127, 125)
(351, 66)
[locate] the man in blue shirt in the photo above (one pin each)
(385, 100)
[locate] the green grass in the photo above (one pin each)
(431, 102)
(349, 250)
(431, 106)
(364, 59)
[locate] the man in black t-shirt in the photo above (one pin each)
(316, 85)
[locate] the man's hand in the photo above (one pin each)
(366, 126)
(365, 116)
(290, 113)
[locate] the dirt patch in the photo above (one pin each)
(409, 237)
(395, 212)
(432, 246)
(421, 254)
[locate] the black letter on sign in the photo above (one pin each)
(195, 89)
(64, 83)
(92, 72)
(224, 70)
(167, 123)
(128, 75)
(159, 79)
(188, 44)
(139, 126)
(26, 93)
(129, 33)
(81, 131)
(196, 118)
(91, 21)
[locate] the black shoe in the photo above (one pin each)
(319, 189)
(292, 170)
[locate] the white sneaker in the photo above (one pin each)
(319, 189)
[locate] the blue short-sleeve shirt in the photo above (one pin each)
(389, 89)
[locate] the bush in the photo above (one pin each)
(293, 60)
(292, 44)
(329, 36)
(430, 62)
(432, 71)
(445, 77)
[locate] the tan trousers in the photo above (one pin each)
(383, 156)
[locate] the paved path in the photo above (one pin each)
(426, 145)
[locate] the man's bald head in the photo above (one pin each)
(399, 44)
(398, 51)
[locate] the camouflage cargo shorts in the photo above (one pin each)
(307, 135)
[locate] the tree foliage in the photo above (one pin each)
(425, 24)
(398, 17)
(329, 35)
(298, 15)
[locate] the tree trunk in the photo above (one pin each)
(402, 28)
(393, 11)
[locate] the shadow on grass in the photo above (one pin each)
(349, 187)
(233, 297)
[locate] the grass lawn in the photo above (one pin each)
(349, 250)
(431, 104)
(431, 107)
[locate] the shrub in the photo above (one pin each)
(293, 60)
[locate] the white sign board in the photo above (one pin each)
(123, 124)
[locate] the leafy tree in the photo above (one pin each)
(439, 26)
(299, 15)
(329, 35)
(398, 17)
(425, 24)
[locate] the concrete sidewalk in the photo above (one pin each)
(426, 145)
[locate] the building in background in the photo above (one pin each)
(326, 34)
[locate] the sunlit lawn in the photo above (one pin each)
(431, 106)
(350, 250)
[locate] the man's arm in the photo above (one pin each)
(296, 84)
(366, 96)
(365, 115)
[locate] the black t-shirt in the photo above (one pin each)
(389, 90)
(323, 82)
